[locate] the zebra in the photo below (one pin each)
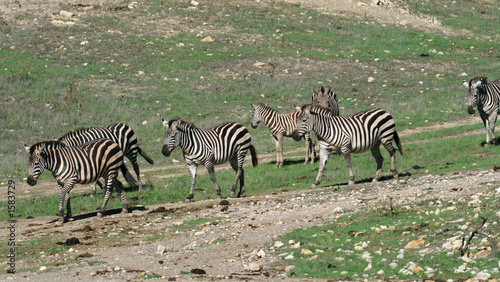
(281, 125)
(326, 98)
(229, 141)
(121, 134)
(80, 164)
(485, 96)
(355, 133)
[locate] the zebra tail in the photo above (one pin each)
(128, 177)
(253, 152)
(145, 156)
(398, 142)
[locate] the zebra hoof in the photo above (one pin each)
(99, 215)
(124, 210)
(188, 201)
(313, 186)
(375, 180)
(62, 219)
(233, 195)
(351, 182)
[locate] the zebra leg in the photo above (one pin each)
(323, 159)
(110, 183)
(278, 144)
(64, 200)
(211, 171)
(307, 138)
(135, 165)
(486, 124)
(347, 157)
(379, 159)
(94, 188)
(192, 168)
(238, 168)
(123, 197)
(492, 121)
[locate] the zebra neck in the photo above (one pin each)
(186, 138)
(51, 162)
(319, 126)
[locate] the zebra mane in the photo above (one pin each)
(482, 78)
(185, 124)
(47, 144)
(317, 109)
(267, 108)
(73, 132)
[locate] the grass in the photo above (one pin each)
(346, 247)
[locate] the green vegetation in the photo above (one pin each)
(376, 244)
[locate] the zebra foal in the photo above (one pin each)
(355, 133)
(280, 125)
(121, 134)
(225, 142)
(485, 96)
(81, 164)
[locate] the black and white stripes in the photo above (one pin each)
(350, 134)
(225, 142)
(485, 96)
(280, 125)
(121, 134)
(79, 164)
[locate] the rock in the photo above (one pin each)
(289, 268)
(296, 245)
(474, 203)
(261, 254)
(160, 249)
(393, 265)
(194, 3)
(254, 267)
(483, 275)
(338, 210)
(306, 252)
(467, 260)
(289, 257)
(415, 244)
(66, 14)
(207, 39)
(368, 268)
(278, 244)
(43, 268)
(371, 79)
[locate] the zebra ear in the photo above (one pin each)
(465, 83)
(164, 122)
(27, 148)
(299, 109)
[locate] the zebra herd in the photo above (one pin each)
(86, 155)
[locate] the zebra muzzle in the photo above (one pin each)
(165, 151)
(31, 180)
(471, 110)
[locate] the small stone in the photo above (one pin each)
(483, 275)
(393, 265)
(338, 210)
(415, 244)
(371, 79)
(208, 39)
(306, 252)
(254, 267)
(261, 254)
(160, 249)
(43, 268)
(381, 272)
(369, 267)
(194, 3)
(289, 257)
(66, 14)
(474, 203)
(278, 244)
(467, 260)
(296, 245)
(289, 268)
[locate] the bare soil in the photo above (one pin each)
(128, 246)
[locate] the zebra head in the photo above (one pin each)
(304, 121)
(256, 117)
(36, 162)
(472, 90)
(171, 136)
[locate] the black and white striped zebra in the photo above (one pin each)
(485, 96)
(280, 125)
(327, 99)
(121, 134)
(225, 142)
(355, 133)
(81, 164)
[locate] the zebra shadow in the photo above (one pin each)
(493, 142)
(94, 214)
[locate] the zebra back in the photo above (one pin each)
(326, 98)
(220, 142)
(361, 130)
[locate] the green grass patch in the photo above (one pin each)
(374, 244)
